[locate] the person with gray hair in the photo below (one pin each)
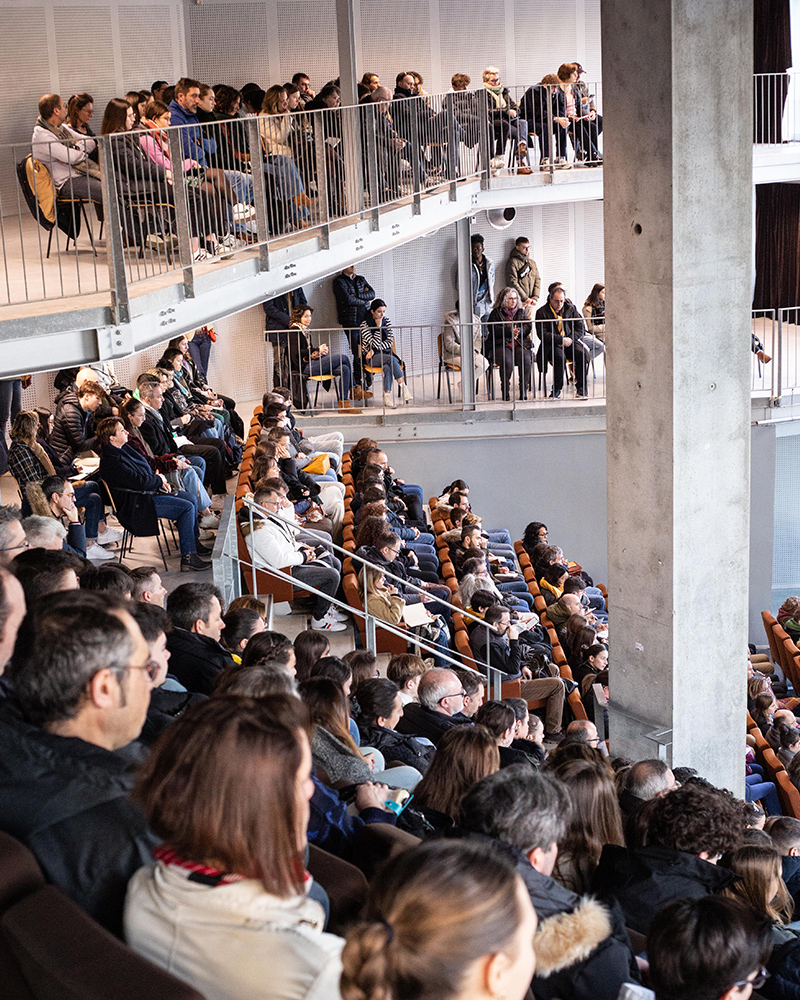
(645, 780)
(441, 697)
(44, 532)
(582, 948)
(12, 534)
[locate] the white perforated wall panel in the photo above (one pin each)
(545, 35)
(146, 53)
(227, 42)
(397, 38)
(99, 77)
(308, 44)
(469, 46)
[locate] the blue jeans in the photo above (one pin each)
(414, 491)
(756, 788)
(333, 364)
(180, 509)
(193, 484)
(288, 183)
(421, 548)
(500, 535)
(200, 349)
(88, 497)
(242, 186)
(10, 405)
(518, 591)
(391, 369)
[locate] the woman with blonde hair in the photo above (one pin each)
(594, 311)
(275, 125)
(446, 920)
(226, 907)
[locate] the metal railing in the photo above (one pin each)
(371, 623)
(776, 106)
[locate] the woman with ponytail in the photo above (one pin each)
(447, 920)
(227, 906)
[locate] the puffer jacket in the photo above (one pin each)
(396, 746)
(73, 428)
(523, 275)
(353, 298)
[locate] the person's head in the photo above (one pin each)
(405, 81)
(477, 244)
(784, 717)
(150, 391)
(380, 702)
(118, 116)
(25, 427)
(556, 298)
(80, 110)
(406, 670)
(389, 545)
(521, 806)
(276, 101)
(581, 731)
(522, 716)
(43, 571)
(567, 72)
(696, 821)
(474, 686)
(206, 100)
(381, 95)
(363, 664)
(440, 691)
(155, 627)
(107, 579)
(52, 109)
(445, 919)
(157, 89)
(760, 883)
(648, 779)
(227, 101)
(464, 755)
(60, 494)
(309, 646)
(460, 81)
(303, 83)
(330, 96)
(46, 421)
(594, 815)
(789, 738)
(240, 626)
(499, 719)
(499, 617)
(785, 833)
(371, 81)
(556, 575)
(597, 295)
(146, 586)
(765, 707)
(187, 94)
(269, 645)
(12, 534)
(471, 536)
(197, 607)
(327, 707)
(507, 299)
(259, 680)
(336, 670)
(596, 656)
(82, 668)
(709, 948)
(90, 397)
(229, 782)
(535, 533)
(12, 611)
(491, 76)
(44, 533)
(377, 309)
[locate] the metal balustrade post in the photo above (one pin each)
(259, 191)
(117, 276)
(416, 153)
(778, 370)
(321, 163)
(181, 210)
(551, 131)
(464, 265)
(484, 140)
(352, 161)
(452, 145)
(369, 113)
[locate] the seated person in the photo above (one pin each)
(528, 731)
(303, 486)
(405, 670)
(499, 539)
(499, 640)
(473, 546)
(501, 721)
(381, 708)
(82, 682)
(441, 698)
(552, 582)
(331, 443)
(509, 342)
(377, 351)
(65, 152)
(46, 571)
(55, 497)
(409, 493)
(274, 545)
(142, 496)
(73, 425)
(197, 656)
(308, 360)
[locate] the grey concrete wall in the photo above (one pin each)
(762, 522)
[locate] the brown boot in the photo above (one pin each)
(763, 357)
(345, 404)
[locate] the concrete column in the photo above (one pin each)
(678, 233)
(464, 264)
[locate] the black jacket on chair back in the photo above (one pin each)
(133, 485)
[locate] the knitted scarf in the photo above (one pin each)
(64, 136)
(497, 94)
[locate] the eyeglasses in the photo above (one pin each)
(456, 694)
(12, 548)
(151, 667)
(760, 978)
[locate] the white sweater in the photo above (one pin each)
(273, 546)
(56, 156)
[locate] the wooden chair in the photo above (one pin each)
(266, 583)
(378, 370)
(788, 795)
(128, 535)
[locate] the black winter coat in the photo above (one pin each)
(133, 485)
(353, 298)
(420, 721)
(157, 434)
(165, 706)
(73, 429)
(644, 879)
(67, 800)
(278, 310)
(572, 326)
(196, 659)
(396, 746)
(783, 966)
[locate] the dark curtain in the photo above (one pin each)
(777, 246)
(772, 53)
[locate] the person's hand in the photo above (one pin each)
(512, 113)
(186, 418)
(323, 349)
(526, 673)
(310, 554)
(561, 121)
(370, 759)
(425, 598)
(182, 463)
(78, 466)
(416, 532)
(369, 354)
(592, 115)
(512, 632)
(413, 557)
(371, 796)
(567, 341)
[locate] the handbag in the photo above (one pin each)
(318, 466)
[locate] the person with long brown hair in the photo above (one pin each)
(594, 821)
(225, 907)
(464, 755)
(445, 921)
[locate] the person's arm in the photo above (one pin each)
(274, 548)
(537, 281)
(152, 147)
(76, 539)
(276, 315)
(47, 148)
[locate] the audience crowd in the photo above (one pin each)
(297, 819)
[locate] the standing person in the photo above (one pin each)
(200, 347)
(10, 406)
(522, 275)
(483, 274)
(353, 294)
(278, 319)
(377, 346)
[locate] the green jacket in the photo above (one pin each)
(522, 274)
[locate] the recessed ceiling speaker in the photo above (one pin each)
(501, 218)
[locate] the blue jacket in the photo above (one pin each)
(331, 828)
(133, 485)
(196, 145)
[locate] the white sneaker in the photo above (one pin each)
(388, 399)
(230, 242)
(326, 625)
(336, 615)
(201, 255)
(97, 553)
(109, 536)
(243, 213)
(407, 393)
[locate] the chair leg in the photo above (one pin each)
(449, 387)
(88, 228)
(163, 532)
(439, 384)
(126, 538)
(316, 395)
(49, 241)
(161, 550)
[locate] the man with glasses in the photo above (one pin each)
(62, 503)
(441, 697)
(82, 677)
(12, 534)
